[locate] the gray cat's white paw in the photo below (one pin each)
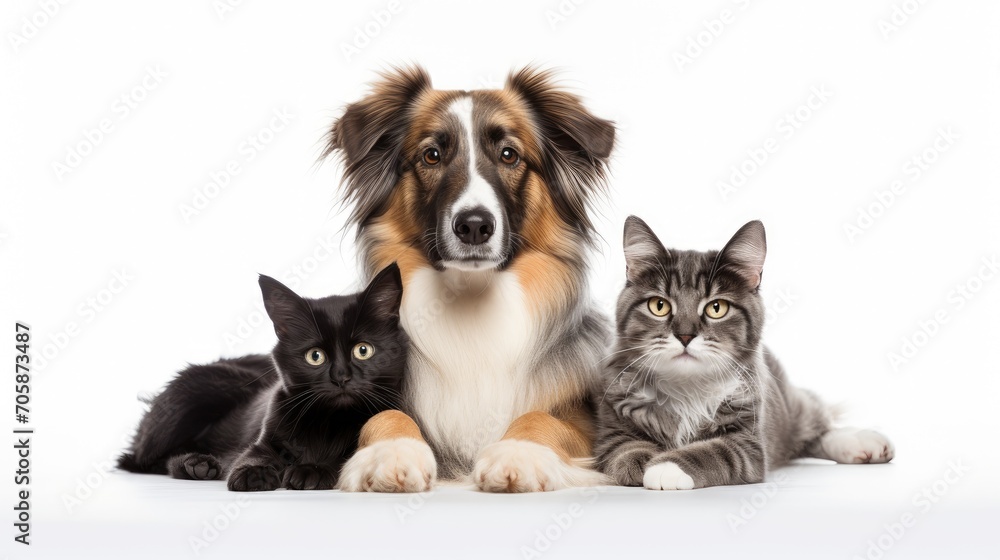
(667, 476)
(850, 445)
(394, 465)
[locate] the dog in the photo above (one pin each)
(484, 199)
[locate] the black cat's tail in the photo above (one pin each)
(127, 462)
(191, 404)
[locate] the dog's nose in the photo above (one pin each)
(474, 227)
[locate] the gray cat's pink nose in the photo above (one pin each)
(685, 338)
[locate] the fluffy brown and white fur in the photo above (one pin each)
(483, 198)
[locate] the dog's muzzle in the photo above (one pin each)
(475, 226)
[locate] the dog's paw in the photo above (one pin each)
(523, 466)
(850, 445)
(307, 477)
(667, 476)
(252, 478)
(395, 465)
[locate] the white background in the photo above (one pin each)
(841, 304)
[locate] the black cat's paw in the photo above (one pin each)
(252, 478)
(195, 466)
(308, 477)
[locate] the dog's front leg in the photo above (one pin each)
(539, 452)
(392, 456)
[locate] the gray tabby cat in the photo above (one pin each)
(693, 398)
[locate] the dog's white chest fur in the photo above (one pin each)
(471, 340)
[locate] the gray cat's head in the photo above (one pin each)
(692, 313)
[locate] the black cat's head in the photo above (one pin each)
(348, 350)
(692, 311)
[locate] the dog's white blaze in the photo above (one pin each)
(471, 335)
(478, 192)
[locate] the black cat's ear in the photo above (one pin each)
(287, 310)
(643, 250)
(384, 294)
(744, 254)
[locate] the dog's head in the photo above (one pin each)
(471, 178)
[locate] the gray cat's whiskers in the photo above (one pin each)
(620, 373)
(639, 371)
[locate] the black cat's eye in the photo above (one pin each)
(658, 306)
(363, 351)
(509, 156)
(315, 357)
(432, 156)
(717, 309)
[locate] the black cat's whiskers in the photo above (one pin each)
(267, 372)
(305, 409)
(386, 401)
(292, 403)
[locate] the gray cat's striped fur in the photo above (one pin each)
(694, 401)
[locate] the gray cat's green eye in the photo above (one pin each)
(717, 309)
(363, 351)
(658, 306)
(315, 357)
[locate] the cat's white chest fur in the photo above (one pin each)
(471, 336)
(678, 415)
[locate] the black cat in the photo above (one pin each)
(290, 419)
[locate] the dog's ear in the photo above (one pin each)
(368, 137)
(575, 143)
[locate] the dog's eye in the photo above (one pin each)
(508, 156)
(432, 156)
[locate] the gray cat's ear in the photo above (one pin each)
(745, 252)
(287, 310)
(643, 250)
(384, 294)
